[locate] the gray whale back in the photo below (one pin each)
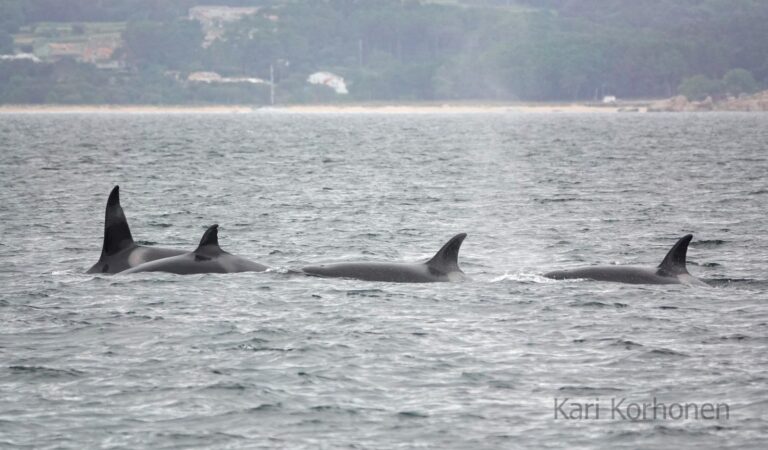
(119, 252)
(672, 270)
(443, 266)
(208, 257)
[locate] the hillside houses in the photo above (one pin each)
(93, 43)
(213, 19)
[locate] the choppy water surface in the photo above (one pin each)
(279, 360)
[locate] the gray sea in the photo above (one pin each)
(508, 359)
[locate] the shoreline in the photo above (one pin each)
(754, 103)
(383, 108)
(122, 109)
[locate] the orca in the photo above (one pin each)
(119, 252)
(207, 258)
(443, 266)
(672, 270)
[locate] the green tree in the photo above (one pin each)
(6, 42)
(739, 81)
(174, 45)
(699, 87)
(11, 15)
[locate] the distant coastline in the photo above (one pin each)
(754, 103)
(137, 109)
(352, 108)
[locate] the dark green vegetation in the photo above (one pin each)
(540, 50)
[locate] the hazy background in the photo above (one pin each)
(195, 51)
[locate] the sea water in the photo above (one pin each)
(507, 359)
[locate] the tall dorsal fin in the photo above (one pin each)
(674, 262)
(447, 258)
(209, 244)
(117, 234)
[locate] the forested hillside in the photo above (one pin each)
(153, 51)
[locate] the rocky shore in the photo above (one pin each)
(755, 102)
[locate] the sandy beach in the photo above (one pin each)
(311, 109)
(123, 109)
(447, 108)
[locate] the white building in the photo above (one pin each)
(329, 79)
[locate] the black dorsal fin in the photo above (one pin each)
(674, 262)
(117, 234)
(209, 244)
(447, 258)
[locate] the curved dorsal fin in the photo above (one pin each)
(674, 262)
(117, 234)
(447, 258)
(209, 244)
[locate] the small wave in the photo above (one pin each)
(708, 243)
(736, 282)
(412, 414)
(45, 371)
(523, 277)
(227, 387)
(69, 278)
(557, 200)
(475, 376)
(58, 273)
(666, 353)
(678, 431)
(284, 271)
(587, 390)
(256, 348)
(596, 304)
(738, 337)
(149, 277)
(364, 293)
(264, 407)
(187, 440)
(629, 345)
(160, 224)
(333, 408)
(666, 430)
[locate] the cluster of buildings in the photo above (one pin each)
(93, 44)
(213, 77)
(98, 53)
(99, 44)
(214, 19)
